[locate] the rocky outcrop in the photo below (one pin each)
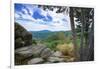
(30, 53)
(39, 54)
(24, 51)
(23, 40)
(37, 51)
(22, 36)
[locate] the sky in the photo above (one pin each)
(33, 18)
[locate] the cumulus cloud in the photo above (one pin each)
(35, 19)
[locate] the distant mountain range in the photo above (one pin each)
(45, 33)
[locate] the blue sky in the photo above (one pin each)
(33, 18)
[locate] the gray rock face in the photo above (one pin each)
(24, 51)
(41, 51)
(46, 53)
(23, 40)
(38, 49)
(35, 51)
(22, 36)
(36, 61)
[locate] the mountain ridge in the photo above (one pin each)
(46, 33)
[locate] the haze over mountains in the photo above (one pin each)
(43, 34)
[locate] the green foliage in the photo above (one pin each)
(34, 41)
(58, 38)
(52, 39)
(51, 45)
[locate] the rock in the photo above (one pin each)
(41, 51)
(46, 53)
(57, 53)
(55, 59)
(36, 61)
(22, 36)
(37, 49)
(30, 52)
(24, 51)
(47, 62)
(22, 55)
(71, 59)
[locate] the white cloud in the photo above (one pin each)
(31, 8)
(17, 15)
(36, 25)
(25, 11)
(31, 26)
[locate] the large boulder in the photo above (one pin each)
(37, 51)
(41, 51)
(22, 36)
(24, 51)
(25, 54)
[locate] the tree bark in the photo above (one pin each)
(82, 36)
(71, 14)
(91, 41)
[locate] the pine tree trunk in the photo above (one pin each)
(82, 36)
(71, 13)
(91, 41)
(91, 44)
